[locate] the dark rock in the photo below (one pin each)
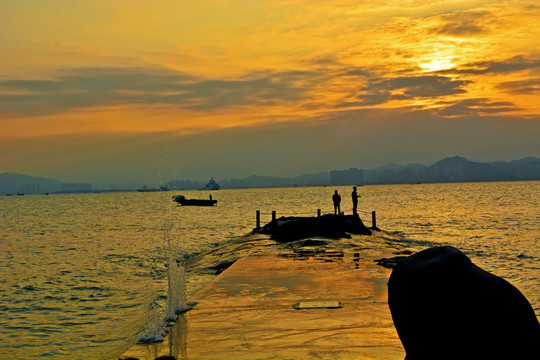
(286, 229)
(445, 307)
(300, 228)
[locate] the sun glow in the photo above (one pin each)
(437, 65)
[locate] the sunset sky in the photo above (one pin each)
(131, 90)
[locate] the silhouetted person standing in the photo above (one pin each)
(355, 197)
(337, 201)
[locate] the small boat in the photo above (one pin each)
(147, 189)
(212, 185)
(181, 199)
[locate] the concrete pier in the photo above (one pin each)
(249, 312)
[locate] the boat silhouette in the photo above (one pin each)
(212, 185)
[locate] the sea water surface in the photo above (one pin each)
(83, 274)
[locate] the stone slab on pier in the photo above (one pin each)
(248, 313)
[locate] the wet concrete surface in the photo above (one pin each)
(248, 313)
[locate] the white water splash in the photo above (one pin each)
(154, 329)
(176, 278)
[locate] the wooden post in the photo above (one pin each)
(318, 212)
(273, 215)
(258, 217)
(373, 220)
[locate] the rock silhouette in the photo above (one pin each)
(445, 307)
(287, 229)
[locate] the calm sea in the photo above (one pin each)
(81, 272)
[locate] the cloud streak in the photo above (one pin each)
(414, 87)
(155, 86)
(529, 62)
(464, 24)
(90, 87)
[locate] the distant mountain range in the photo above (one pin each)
(453, 169)
(456, 169)
(13, 183)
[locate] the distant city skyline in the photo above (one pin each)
(132, 91)
(453, 169)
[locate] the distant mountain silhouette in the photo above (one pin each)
(322, 178)
(13, 183)
(452, 169)
(389, 167)
(453, 162)
(457, 169)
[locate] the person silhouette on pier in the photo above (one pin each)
(355, 197)
(337, 202)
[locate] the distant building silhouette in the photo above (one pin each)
(33, 188)
(353, 176)
(76, 187)
(184, 185)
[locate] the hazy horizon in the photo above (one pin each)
(107, 92)
(132, 184)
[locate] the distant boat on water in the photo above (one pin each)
(147, 189)
(212, 185)
(181, 199)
